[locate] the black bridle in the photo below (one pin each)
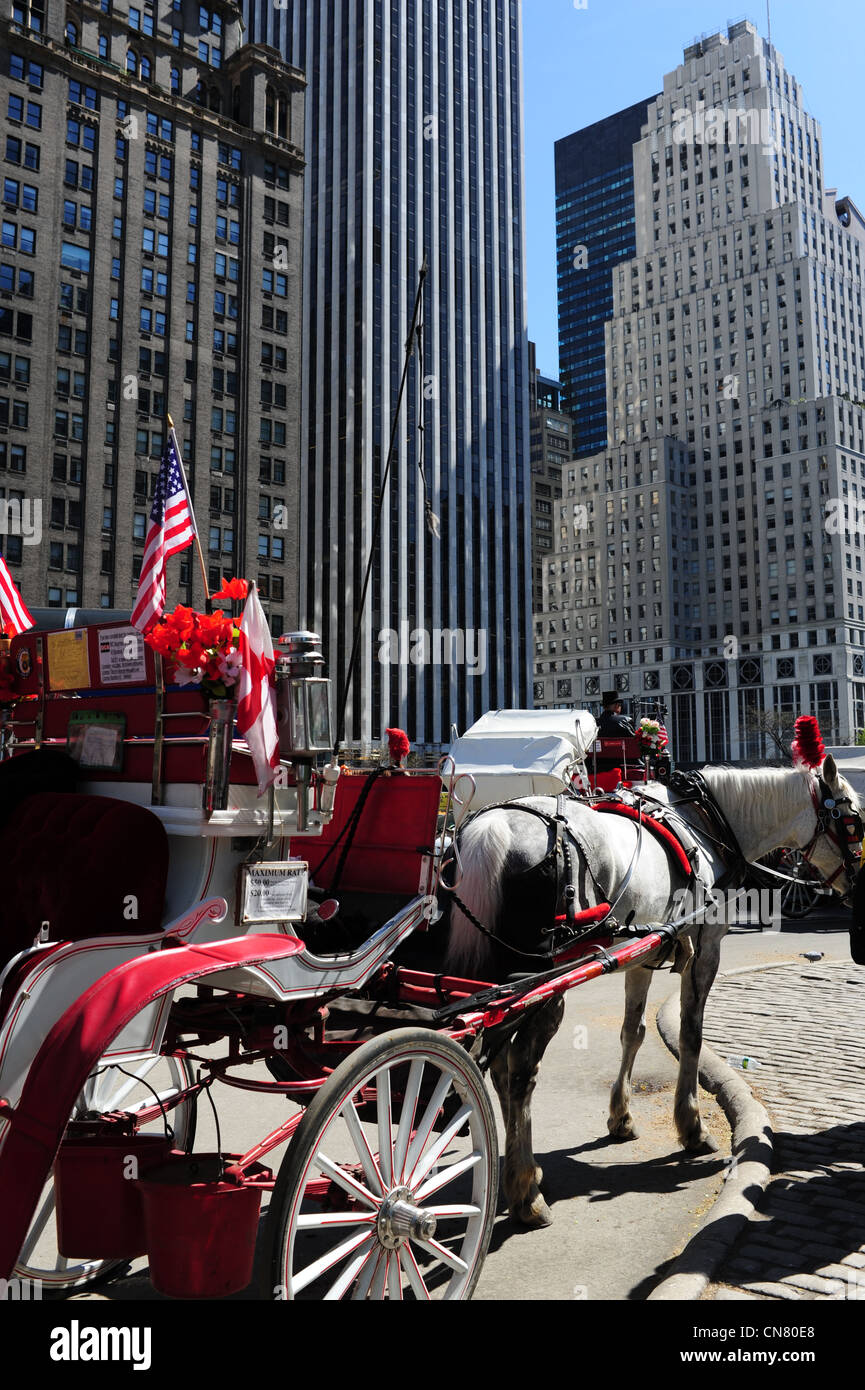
(844, 828)
(838, 819)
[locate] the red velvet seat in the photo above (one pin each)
(397, 828)
(87, 865)
(629, 748)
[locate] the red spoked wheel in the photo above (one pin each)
(388, 1189)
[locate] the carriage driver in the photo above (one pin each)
(612, 723)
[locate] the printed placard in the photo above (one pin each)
(122, 658)
(68, 660)
(95, 740)
(273, 892)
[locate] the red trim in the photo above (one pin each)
(661, 832)
(74, 1046)
(588, 914)
(628, 954)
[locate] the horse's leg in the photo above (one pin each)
(637, 982)
(500, 1080)
(696, 983)
(520, 1175)
(500, 1077)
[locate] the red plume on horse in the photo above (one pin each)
(398, 746)
(808, 747)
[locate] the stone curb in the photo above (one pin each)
(752, 1148)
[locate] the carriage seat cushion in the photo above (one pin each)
(87, 865)
(40, 770)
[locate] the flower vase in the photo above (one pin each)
(217, 773)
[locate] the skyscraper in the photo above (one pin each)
(595, 230)
(552, 433)
(150, 263)
(414, 148)
(713, 552)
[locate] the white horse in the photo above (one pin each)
(499, 847)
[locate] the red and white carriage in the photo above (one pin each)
(164, 928)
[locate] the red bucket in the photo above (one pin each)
(201, 1226)
(99, 1212)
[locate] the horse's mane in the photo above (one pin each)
(739, 783)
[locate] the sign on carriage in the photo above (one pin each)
(68, 660)
(273, 892)
(95, 739)
(121, 656)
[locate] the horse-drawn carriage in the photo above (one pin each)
(165, 929)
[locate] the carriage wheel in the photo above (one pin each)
(799, 898)
(389, 1186)
(106, 1091)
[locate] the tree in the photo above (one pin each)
(778, 725)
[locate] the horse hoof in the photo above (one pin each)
(622, 1130)
(701, 1144)
(533, 1215)
(539, 1176)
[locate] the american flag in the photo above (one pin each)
(14, 617)
(172, 528)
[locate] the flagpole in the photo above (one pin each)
(192, 514)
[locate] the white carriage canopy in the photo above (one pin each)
(512, 753)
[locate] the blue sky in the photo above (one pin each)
(584, 64)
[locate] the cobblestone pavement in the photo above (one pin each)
(803, 1025)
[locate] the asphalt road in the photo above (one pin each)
(622, 1212)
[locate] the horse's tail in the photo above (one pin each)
(484, 846)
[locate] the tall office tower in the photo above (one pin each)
(414, 146)
(595, 230)
(552, 435)
(736, 378)
(152, 185)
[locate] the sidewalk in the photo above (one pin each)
(805, 1026)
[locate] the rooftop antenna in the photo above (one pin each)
(769, 21)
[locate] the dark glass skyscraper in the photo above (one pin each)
(414, 146)
(595, 230)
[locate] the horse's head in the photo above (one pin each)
(834, 844)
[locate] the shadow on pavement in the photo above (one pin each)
(566, 1179)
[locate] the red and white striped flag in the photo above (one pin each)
(172, 528)
(14, 617)
(256, 704)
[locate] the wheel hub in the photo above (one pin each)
(400, 1220)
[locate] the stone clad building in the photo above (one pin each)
(151, 255)
(552, 446)
(712, 553)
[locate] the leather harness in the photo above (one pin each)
(691, 788)
(586, 922)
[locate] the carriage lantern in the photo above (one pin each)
(302, 697)
(302, 708)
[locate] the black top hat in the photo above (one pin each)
(611, 697)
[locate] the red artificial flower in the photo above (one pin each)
(197, 642)
(213, 629)
(161, 640)
(231, 589)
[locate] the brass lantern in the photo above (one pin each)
(302, 697)
(302, 710)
